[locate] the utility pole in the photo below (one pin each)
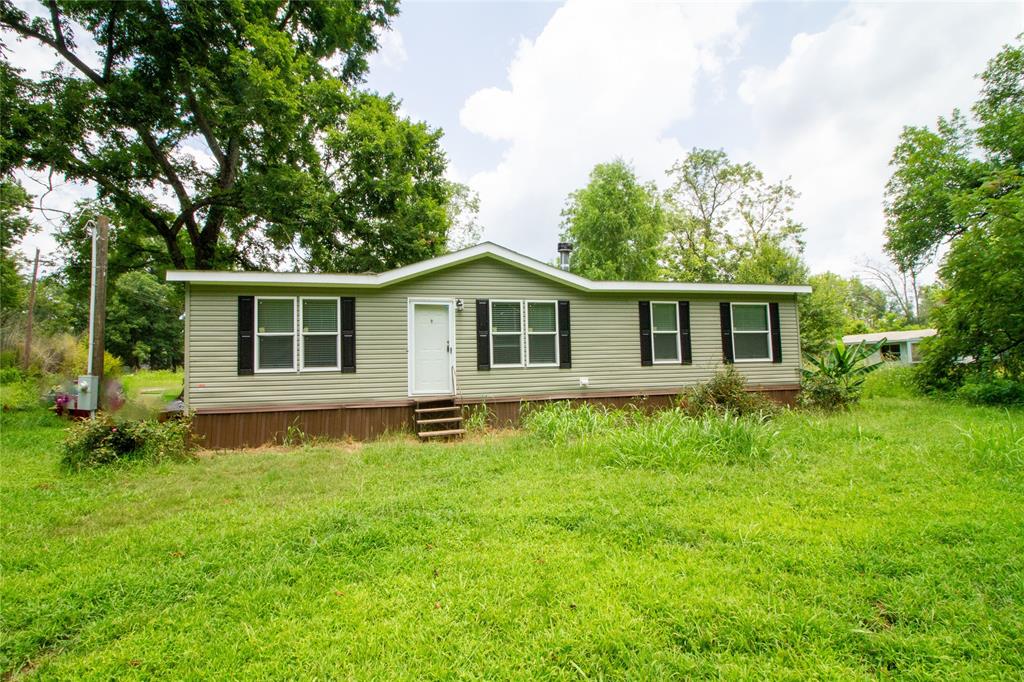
(98, 307)
(27, 357)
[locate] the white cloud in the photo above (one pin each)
(831, 112)
(391, 53)
(601, 80)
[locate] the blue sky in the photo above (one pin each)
(813, 91)
(531, 95)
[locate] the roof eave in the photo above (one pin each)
(268, 279)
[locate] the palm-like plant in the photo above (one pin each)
(846, 365)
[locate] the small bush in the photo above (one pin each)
(9, 375)
(726, 392)
(892, 381)
(833, 380)
(991, 390)
(103, 440)
(67, 356)
(19, 394)
(822, 392)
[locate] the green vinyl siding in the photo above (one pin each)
(605, 342)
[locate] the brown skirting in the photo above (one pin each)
(239, 427)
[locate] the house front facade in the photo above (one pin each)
(352, 355)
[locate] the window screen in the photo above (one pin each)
(750, 337)
(275, 333)
(542, 333)
(319, 333)
(275, 316)
(506, 333)
(665, 331)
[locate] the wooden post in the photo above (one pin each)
(100, 304)
(27, 357)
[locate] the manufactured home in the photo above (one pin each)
(360, 354)
(903, 346)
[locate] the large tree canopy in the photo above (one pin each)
(231, 131)
(727, 223)
(963, 186)
(616, 225)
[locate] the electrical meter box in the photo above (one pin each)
(88, 392)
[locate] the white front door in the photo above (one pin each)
(431, 349)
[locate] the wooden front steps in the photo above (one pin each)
(438, 418)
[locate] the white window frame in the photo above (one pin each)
(301, 334)
(767, 332)
(679, 351)
(259, 334)
(526, 334)
(521, 332)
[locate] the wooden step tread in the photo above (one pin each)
(439, 420)
(420, 410)
(448, 432)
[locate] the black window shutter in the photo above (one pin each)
(684, 333)
(726, 313)
(564, 336)
(246, 325)
(483, 334)
(645, 333)
(348, 335)
(773, 316)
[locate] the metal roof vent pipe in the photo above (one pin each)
(564, 249)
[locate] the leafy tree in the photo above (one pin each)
(130, 249)
(866, 307)
(901, 287)
(388, 198)
(838, 306)
(616, 225)
(823, 314)
(232, 131)
(964, 186)
(14, 225)
(702, 200)
(727, 223)
(463, 210)
(769, 262)
(143, 327)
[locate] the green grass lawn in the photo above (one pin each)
(885, 542)
(152, 387)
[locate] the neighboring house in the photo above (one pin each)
(354, 354)
(898, 346)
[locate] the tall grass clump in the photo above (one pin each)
(665, 439)
(999, 446)
(475, 418)
(671, 439)
(893, 380)
(561, 422)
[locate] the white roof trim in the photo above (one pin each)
(472, 253)
(874, 337)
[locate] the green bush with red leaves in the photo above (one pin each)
(104, 440)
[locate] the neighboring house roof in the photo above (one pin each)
(875, 337)
(485, 250)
